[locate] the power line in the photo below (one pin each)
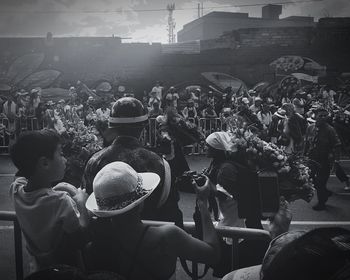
(148, 10)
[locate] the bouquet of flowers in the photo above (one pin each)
(293, 173)
(80, 142)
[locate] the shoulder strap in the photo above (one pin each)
(136, 252)
(166, 185)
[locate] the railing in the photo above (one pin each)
(234, 233)
(17, 234)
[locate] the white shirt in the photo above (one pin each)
(44, 215)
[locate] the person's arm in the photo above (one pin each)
(185, 246)
(281, 221)
(80, 198)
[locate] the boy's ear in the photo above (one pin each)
(43, 162)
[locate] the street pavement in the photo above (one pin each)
(337, 213)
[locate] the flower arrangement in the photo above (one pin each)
(79, 143)
(293, 173)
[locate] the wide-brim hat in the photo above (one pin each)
(118, 188)
(281, 113)
(256, 272)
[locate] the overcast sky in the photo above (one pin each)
(133, 18)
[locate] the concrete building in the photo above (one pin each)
(215, 24)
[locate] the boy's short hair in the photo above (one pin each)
(30, 147)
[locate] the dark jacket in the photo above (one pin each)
(129, 150)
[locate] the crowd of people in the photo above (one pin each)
(99, 225)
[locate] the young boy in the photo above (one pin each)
(52, 221)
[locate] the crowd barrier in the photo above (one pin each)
(234, 233)
(11, 129)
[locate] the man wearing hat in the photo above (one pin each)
(277, 125)
(125, 125)
(323, 148)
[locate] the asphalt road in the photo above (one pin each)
(337, 213)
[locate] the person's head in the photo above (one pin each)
(128, 117)
(289, 108)
(118, 190)
(265, 107)
(321, 116)
(38, 153)
(245, 102)
(218, 143)
(190, 103)
(172, 89)
(321, 254)
(258, 101)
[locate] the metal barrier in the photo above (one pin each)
(11, 216)
(234, 233)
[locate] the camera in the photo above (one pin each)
(199, 178)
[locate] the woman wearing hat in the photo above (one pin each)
(132, 248)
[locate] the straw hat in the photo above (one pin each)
(281, 113)
(118, 188)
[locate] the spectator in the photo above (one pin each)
(158, 89)
(295, 129)
(190, 110)
(154, 98)
(265, 116)
(155, 110)
(275, 130)
(52, 220)
(173, 97)
(10, 110)
(322, 254)
(133, 249)
(126, 123)
(256, 107)
(323, 148)
(299, 102)
(209, 112)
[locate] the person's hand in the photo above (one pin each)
(281, 221)
(66, 187)
(202, 191)
(81, 196)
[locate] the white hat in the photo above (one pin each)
(118, 188)
(219, 140)
(281, 113)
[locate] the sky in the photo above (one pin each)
(136, 20)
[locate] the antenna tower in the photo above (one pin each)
(171, 23)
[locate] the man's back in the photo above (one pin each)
(129, 150)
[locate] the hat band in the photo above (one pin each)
(128, 120)
(121, 201)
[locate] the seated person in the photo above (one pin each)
(52, 221)
(131, 248)
(321, 254)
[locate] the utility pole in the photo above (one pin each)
(171, 23)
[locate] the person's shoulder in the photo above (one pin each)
(169, 232)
